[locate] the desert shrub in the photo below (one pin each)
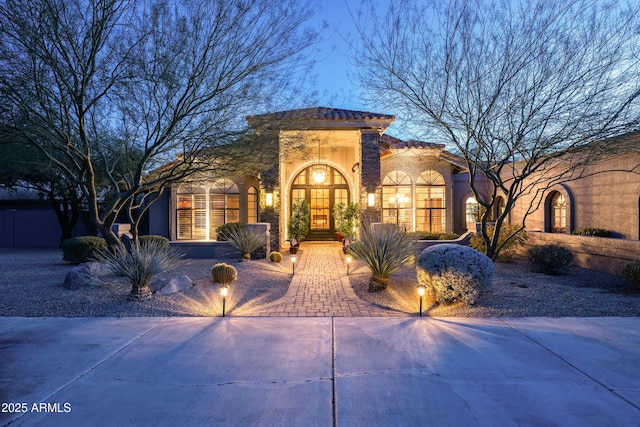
(245, 240)
(162, 241)
(224, 230)
(385, 250)
(550, 259)
(451, 286)
(631, 273)
(275, 256)
(428, 235)
(454, 272)
(506, 231)
(593, 232)
(223, 273)
(81, 249)
(141, 264)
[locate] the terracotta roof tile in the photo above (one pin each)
(324, 113)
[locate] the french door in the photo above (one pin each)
(322, 197)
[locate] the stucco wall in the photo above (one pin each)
(595, 253)
(608, 197)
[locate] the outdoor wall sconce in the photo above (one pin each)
(293, 264)
(348, 263)
(421, 293)
(224, 290)
(269, 199)
(371, 199)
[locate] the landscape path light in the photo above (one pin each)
(293, 264)
(348, 263)
(421, 293)
(224, 290)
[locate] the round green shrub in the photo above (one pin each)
(550, 259)
(224, 273)
(509, 246)
(81, 249)
(162, 241)
(275, 256)
(631, 273)
(454, 272)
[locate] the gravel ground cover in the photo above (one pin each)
(31, 284)
(516, 291)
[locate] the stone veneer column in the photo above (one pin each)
(370, 173)
(270, 179)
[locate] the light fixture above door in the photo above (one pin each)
(319, 172)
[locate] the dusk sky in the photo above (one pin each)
(337, 85)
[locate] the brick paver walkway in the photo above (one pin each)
(320, 288)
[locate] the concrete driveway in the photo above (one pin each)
(320, 371)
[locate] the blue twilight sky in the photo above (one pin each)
(337, 85)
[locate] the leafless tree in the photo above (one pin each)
(528, 92)
(156, 90)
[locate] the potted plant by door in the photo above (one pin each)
(350, 221)
(299, 224)
(338, 218)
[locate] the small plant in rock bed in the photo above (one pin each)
(454, 272)
(509, 243)
(245, 240)
(427, 235)
(223, 230)
(140, 264)
(550, 259)
(223, 273)
(80, 249)
(162, 241)
(275, 256)
(593, 232)
(385, 249)
(631, 273)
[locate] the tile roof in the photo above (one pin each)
(393, 143)
(389, 143)
(324, 113)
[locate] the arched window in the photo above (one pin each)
(558, 213)
(224, 205)
(473, 211)
(252, 205)
(430, 202)
(397, 201)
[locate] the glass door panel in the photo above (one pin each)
(320, 209)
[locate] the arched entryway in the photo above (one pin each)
(323, 187)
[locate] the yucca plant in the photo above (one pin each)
(385, 249)
(141, 264)
(245, 240)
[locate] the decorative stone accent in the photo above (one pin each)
(171, 285)
(86, 275)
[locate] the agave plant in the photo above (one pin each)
(385, 249)
(245, 240)
(140, 264)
